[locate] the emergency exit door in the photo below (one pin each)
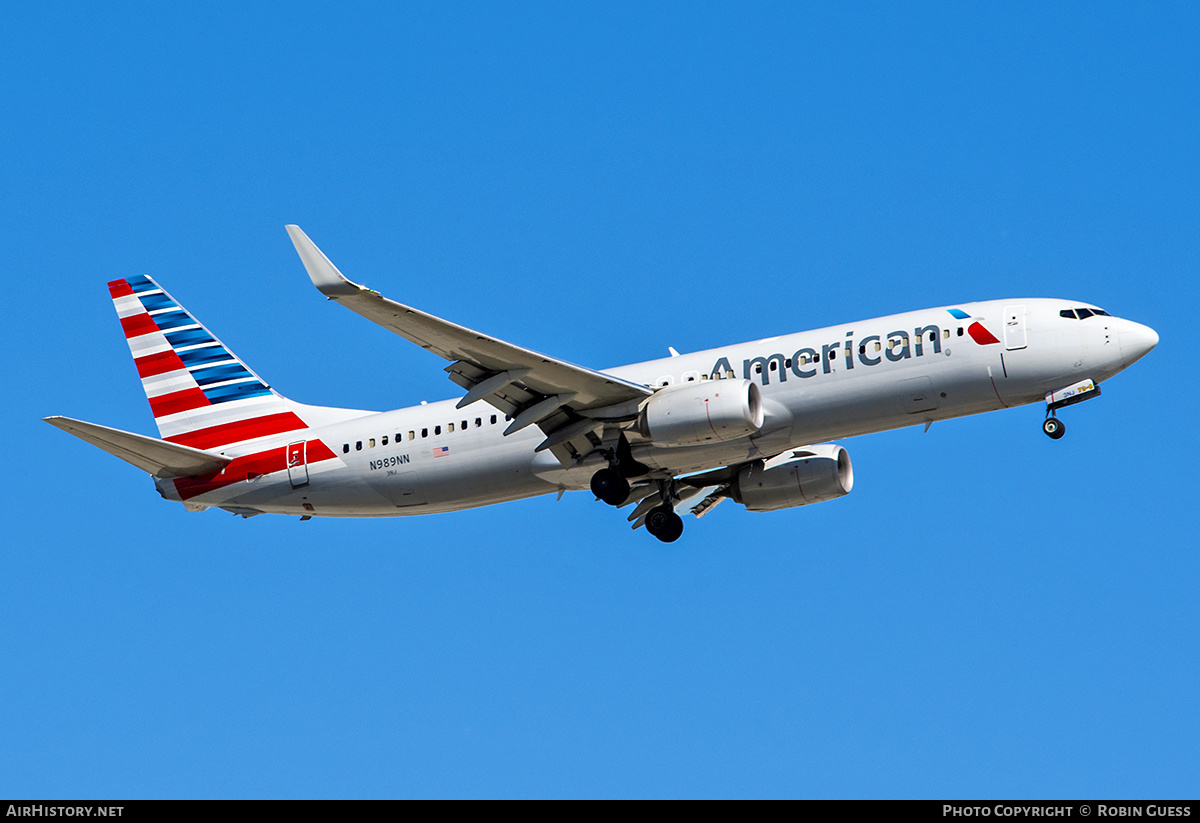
(297, 464)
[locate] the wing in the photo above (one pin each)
(570, 403)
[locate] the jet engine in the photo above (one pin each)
(698, 413)
(797, 477)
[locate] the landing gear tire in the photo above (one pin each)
(610, 486)
(665, 524)
(1054, 428)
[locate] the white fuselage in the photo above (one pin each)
(828, 384)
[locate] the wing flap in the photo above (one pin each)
(501, 389)
(158, 457)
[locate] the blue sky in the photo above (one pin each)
(989, 613)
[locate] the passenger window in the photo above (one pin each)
(450, 428)
(412, 435)
(478, 422)
(729, 374)
(383, 442)
(464, 425)
(758, 369)
(932, 336)
(371, 443)
(493, 419)
(424, 432)
(960, 331)
(703, 377)
(878, 346)
(437, 430)
(345, 448)
(358, 446)
(507, 418)
(946, 334)
(774, 365)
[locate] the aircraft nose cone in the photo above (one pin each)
(1137, 341)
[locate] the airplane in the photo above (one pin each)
(751, 422)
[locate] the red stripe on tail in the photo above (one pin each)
(135, 325)
(119, 288)
(160, 363)
(239, 430)
(176, 402)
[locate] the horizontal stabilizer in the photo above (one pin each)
(158, 457)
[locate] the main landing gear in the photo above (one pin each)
(661, 521)
(610, 486)
(664, 523)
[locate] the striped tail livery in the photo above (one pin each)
(220, 422)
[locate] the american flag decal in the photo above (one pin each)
(441, 451)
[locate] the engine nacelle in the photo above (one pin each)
(711, 411)
(797, 477)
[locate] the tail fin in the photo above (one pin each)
(201, 394)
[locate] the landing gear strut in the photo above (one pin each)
(611, 484)
(1077, 393)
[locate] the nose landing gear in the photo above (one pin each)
(1077, 393)
(1054, 428)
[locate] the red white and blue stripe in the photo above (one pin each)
(182, 365)
(201, 394)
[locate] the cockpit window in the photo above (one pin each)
(1082, 313)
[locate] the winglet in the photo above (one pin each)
(324, 275)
